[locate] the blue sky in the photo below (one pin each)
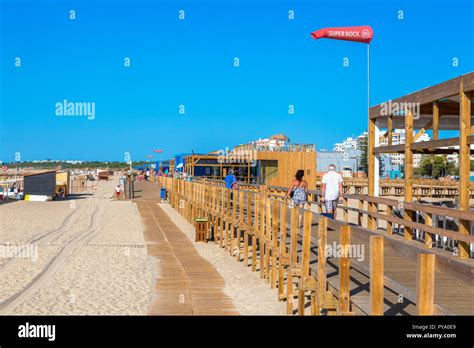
(190, 62)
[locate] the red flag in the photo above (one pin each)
(359, 34)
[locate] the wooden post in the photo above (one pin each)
(293, 259)
(390, 129)
(240, 224)
(306, 254)
(389, 223)
(247, 228)
(464, 169)
(408, 172)
(274, 249)
(283, 252)
(232, 219)
(428, 236)
(435, 120)
(268, 229)
(376, 275)
(261, 238)
(425, 282)
(322, 241)
(345, 212)
(360, 215)
(256, 226)
(344, 270)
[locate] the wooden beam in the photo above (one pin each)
(322, 240)
(293, 259)
(408, 171)
(283, 251)
(274, 246)
(376, 275)
(390, 129)
(344, 269)
(425, 283)
(430, 94)
(435, 120)
(464, 167)
(422, 130)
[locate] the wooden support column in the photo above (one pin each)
(232, 219)
(344, 270)
(283, 257)
(256, 205)
(322, 241)
(435, 120)
(306, 280)
(464, 169)
(274, 248)
(390, 130)
(408, 172)
(389, 223)
(425, 284)
(428, 236)
(248, 223)
(261, 238)
(293, 259)
(376, 275)
(267, 236)
(240, 224)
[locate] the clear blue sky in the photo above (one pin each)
(190, 62)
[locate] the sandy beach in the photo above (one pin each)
(90, 256)
(87, 255)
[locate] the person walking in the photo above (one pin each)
(117, 191)
(298, 192)
(331, 190)
(230, 179)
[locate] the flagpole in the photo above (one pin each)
(376, 173)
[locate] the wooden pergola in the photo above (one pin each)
(445, 106)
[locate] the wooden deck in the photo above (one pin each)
(453, 295)
(185, 284)
(453, 277)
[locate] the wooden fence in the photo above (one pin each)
(256, 227)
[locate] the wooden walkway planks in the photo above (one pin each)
(187, 284)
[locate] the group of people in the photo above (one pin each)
(143, 175)
(331, 191)
(297, 194)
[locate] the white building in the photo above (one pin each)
(398, 137)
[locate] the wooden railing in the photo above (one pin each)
(415, 221)
(252, 225)
(396, 188)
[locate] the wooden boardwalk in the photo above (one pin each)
(240, 221)
(186, 284)
(453, 295)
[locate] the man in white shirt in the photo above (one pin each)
(331, 190)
